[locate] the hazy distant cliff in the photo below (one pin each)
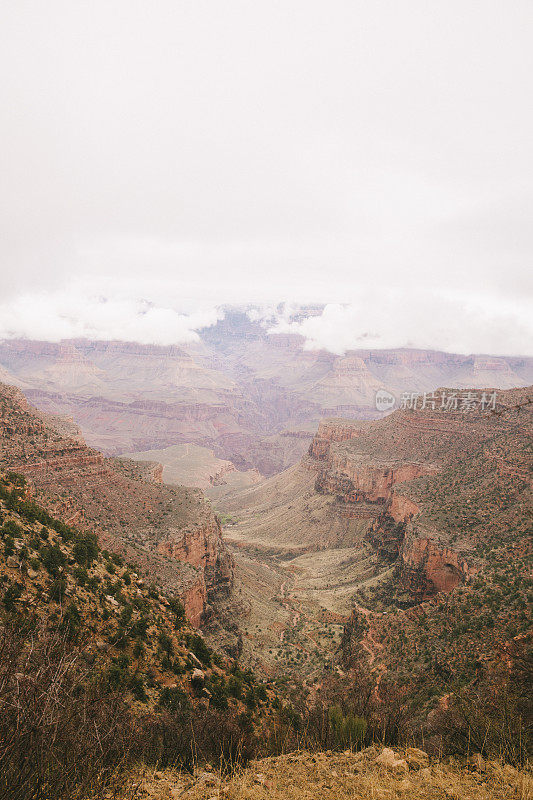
(239, 391)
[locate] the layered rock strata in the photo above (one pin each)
(171, 532)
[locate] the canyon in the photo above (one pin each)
(394, 555)
(243, 394)
(320, 523)
(391, 515)
(170, 533)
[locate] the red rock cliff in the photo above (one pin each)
(427, 567)
(332, 430)
(172, 532)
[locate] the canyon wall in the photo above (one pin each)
(348, 460)
(171, 532)
(332, 430)
(234, 391)
(427, 567)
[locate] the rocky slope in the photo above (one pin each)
(58, 574)
(252, 397)
(405, 472)
(100, 669)
(450, 622)
(395, 513)
(171, 532)
(377, 773)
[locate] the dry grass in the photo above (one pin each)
(337, 776)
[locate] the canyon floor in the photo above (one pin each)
(192, 465)
(295, 609)
(295, 590)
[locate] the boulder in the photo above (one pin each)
(194, 659)
(417, 759)
(111, 600)
(387, 757)
(390, 760)
(478, 762)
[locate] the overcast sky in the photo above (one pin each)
(374, 155)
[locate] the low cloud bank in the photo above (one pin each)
(376, 318)
(57, 316)
(381, 319)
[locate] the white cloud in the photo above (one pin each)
(390, 319)
(66, 315)
(376, 318)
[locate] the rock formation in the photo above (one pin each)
(376, 471)
(237, 392)
(426, 568)
(171, 532)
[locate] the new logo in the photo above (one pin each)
(385, 401)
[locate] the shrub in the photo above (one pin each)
(81, 575)
(53, 559)
(219, 691)
(261, 692)
(57, 590)
(71, 621)
(250, 698)
(174, 699)
(11, 595)
(61, 737)
(178, 610)
(235, 686)
(139, 628)
(138, 650)
(118, 675)
(16, 479)
(199, 648)
(126, 615)
(165, 642)
(92, 584)
(9, 546)
(347, 730)
(11, 528)
(85, 549)
(137, 688)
